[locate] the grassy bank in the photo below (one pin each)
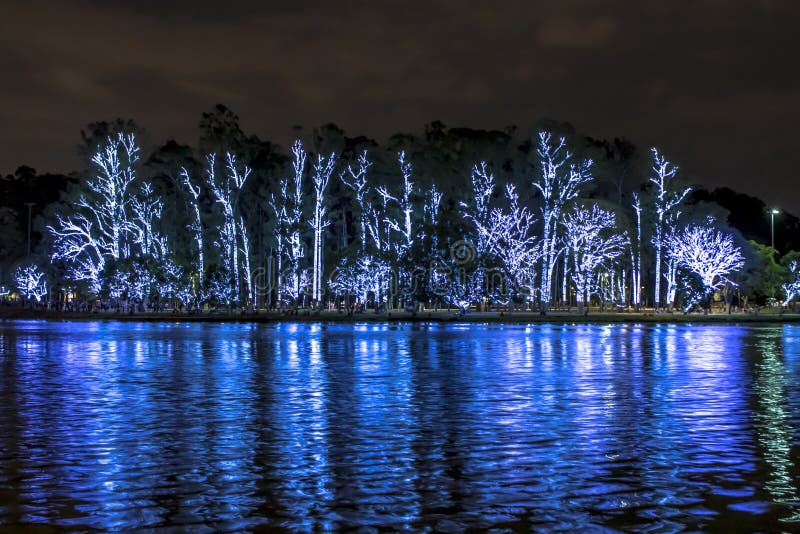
(426, 316)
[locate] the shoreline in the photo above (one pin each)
(558, 317)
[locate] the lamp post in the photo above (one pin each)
(772, 213)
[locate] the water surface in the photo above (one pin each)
(119, 426)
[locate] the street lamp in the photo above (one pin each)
(772, 213)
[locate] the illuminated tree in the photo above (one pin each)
(671, 272)
(610, 284)
(355, 278)
(197, 225)
(433, 201)
(355, 178)
(99, 230)
(172, 282)
(636, 256)
(792, 288)
(146, 210)
(245, 251)
(462, 289)
(477, 210)
(400, 225)
(508, 237)
(593, 243)
(322, 170)
(378, 225)
(288, 209)
(226, 188)
(665, 200)
(403, 224)
(559, 182)
(30, 282)
(706, 253)
(357, 275)
(279, 231)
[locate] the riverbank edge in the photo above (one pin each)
(405, 317)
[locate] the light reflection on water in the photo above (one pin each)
(448, 427)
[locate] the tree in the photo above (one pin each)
(197, 224)
(12, 238)
(559, 182)
(355, 278)
(593, 243)
(356, 180)
(220, 131)
(462, 289)
(763, 274)
(478, 208)
(671, 273)
(508, 236)
(30, 282)
(232, 234)
(146, 210)
(708, 254)
(792, 288)
(288, 209)
(172, 282)
(99, 230)
(636, 256)
(665, 200)
(322, 170)
(402, 225)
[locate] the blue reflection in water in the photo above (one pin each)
(448, 427)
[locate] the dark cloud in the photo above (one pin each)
(712, 82)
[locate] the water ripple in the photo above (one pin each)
(309, 427)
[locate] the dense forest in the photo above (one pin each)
(470, 219)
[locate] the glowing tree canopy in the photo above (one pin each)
(559, 181)
(508, 235)
(593, 243)
(355, 178)
(226, 188)
(30, 282)
(99, 230)
(196, 227)
(477, 210)
(393, 242)
(398, 225)
(401, 225)
(666, 199)
(322, 170)
(462, 288)
(707, 253)
(792, 288)
(636, 255)
(288, 210)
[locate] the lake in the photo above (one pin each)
(446, 427)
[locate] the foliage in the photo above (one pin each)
(30, 282)
(395, 229)
(707, 253)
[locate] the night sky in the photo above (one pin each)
(714, 83)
